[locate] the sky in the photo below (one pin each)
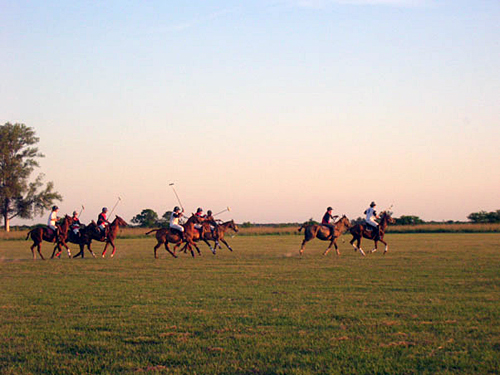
(275, 108)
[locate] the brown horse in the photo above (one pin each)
(40, 234)
(92, 232)
(164, 236)
(324, 233)
(205, 234)
(362, 230)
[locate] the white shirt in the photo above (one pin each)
(174, 219)
(52, 219)
(370, 214)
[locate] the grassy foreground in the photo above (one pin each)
(432, 305)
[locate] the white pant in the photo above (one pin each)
(177, 226)
(373, 223)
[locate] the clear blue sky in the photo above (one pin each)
(277, 109)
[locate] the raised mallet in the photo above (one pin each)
(227, 209)
(178, 199)
(83, 208)
(116, 204)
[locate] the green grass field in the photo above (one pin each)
(430, 306)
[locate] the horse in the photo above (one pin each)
(359, 231)
(92, 232)
(42, 233)
(325, 233)
(84, 239)
(205, 234)
(164, 236)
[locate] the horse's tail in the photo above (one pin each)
(152, 230)
(302, 227)
(28, 235)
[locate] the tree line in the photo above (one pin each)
(148, 218)
(485, 217)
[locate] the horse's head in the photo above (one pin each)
(344, 220)
(233, 226)
(195, 219)
(120, 222)
(386, 216)
(67, 220)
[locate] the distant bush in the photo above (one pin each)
(408, 220)
(485, 217)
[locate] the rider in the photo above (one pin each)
(174, 220)
(52, 221)
(75, 226)
(213, 224)
(371, 215)
(329, 219)
(199, 213)
(102, 222)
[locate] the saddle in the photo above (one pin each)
(176, 232)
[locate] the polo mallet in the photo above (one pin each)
(173, 188)
(116, 204)
(83, 208)
(227, 209)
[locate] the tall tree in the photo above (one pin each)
(18, 196)
(147, 218)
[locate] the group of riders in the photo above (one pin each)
(101, 228)
(208, 218)
(102, 225)
(329, 219)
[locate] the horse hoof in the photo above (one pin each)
(374, 250)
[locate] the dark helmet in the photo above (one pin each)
(372, 204)
(199, 210)
(329, 209)
(54, 208)
(75, 213)
(209, 212)
(104, 209)
(176, 208)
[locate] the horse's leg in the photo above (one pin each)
(359, 247)
(329, 247)
(336, 247)
(303, 246)
(168, 249)
(352, 243)
(212, 249)
(32, 252)
(67, 249)
(157, 246)
(225, 243)
(104, 251)
(197, 248)
(189, 245)
(375, 246)
(114, 248)
(39, 248)
(54, 252)
(386, 246)
(80, 253)
(88, 247)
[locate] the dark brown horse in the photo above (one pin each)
(92, 232)
(325, 233)
(164, 236)
(40, 234)
(361, 230)
(205, 234)
(83, 239)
